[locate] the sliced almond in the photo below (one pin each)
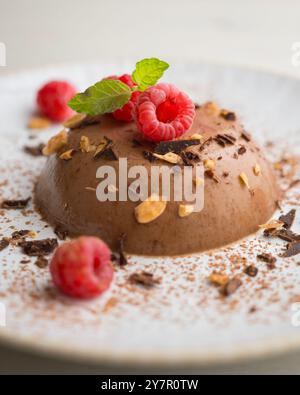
(104, 143)
(244, 180)
(85, 145)
(56, 143)
(212, 108)
(185, 210)
(196, 136)
(74, 121)
(32, 234)
(67, 155)
(199, 182)
(38, 123)
(170, 157)
(218, 279)
(257, 170)
(209, 164)
(273, 225)
(150, 209)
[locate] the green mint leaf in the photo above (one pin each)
(147, 72)
(104, 97)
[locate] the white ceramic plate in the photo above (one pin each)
(182, 321)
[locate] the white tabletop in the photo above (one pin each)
(256, 33)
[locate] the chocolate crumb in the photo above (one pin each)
(176, 146)
(144, 278)
(25, 261)
(4, 243)
(269, 259)
(231, 287)
(15, 204)
(41, 262)
(20, 234)
(246, 136)
(39, 247)
(35, 151)
(288, 219)
(189, 157)
(242, 150)
(251, 271)
(197, 106)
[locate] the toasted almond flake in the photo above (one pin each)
(101, 146)
(209, 164)
(32, 234)
(150, 209)
(278, 166)
(199, 182)
(67, 155)
(257, 170)
(196, 136)
(85, 145)
(38, 123)
(56, 143)
(170, 157)
(274, 224)
(218, 279)
(244, 180)
(185, 210)
(212, 108)
(74, 121)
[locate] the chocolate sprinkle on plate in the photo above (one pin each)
(176, 146)
(4, 243)
(35, 151)
(225, 139)
(246, 136)
(39, 247)
(251, 271)
(144, 278)
(41, 262)
(231, 287)
(15, 204)
(268, 258)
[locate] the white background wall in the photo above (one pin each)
(248, 32)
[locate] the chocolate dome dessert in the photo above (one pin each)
(240, 188)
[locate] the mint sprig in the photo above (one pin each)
(147, 72)
(109, 95)
(104, 97)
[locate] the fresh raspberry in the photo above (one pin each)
(52, 100)
(164, 113)
(126, 113)
(82, 268)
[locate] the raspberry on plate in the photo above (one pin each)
(164, 113)
(126, 113)
(82, 268)
(53, 98)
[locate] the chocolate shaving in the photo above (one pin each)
(15, 204)
(231, 287)
(288, 219)
(144, 278)
(197, 106)
(246, 136)
(176, 146)
(225, 139)
(229, 116)
(251, 271)
(205, 144)
(293, 249)
(211, 174)
(39, 247)
(189, 158)
(293, 184)
(106, 150)
(4, 243)
(35, 151)
(60, 232)
(149, 156)
(20, 234)
(41, 262)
